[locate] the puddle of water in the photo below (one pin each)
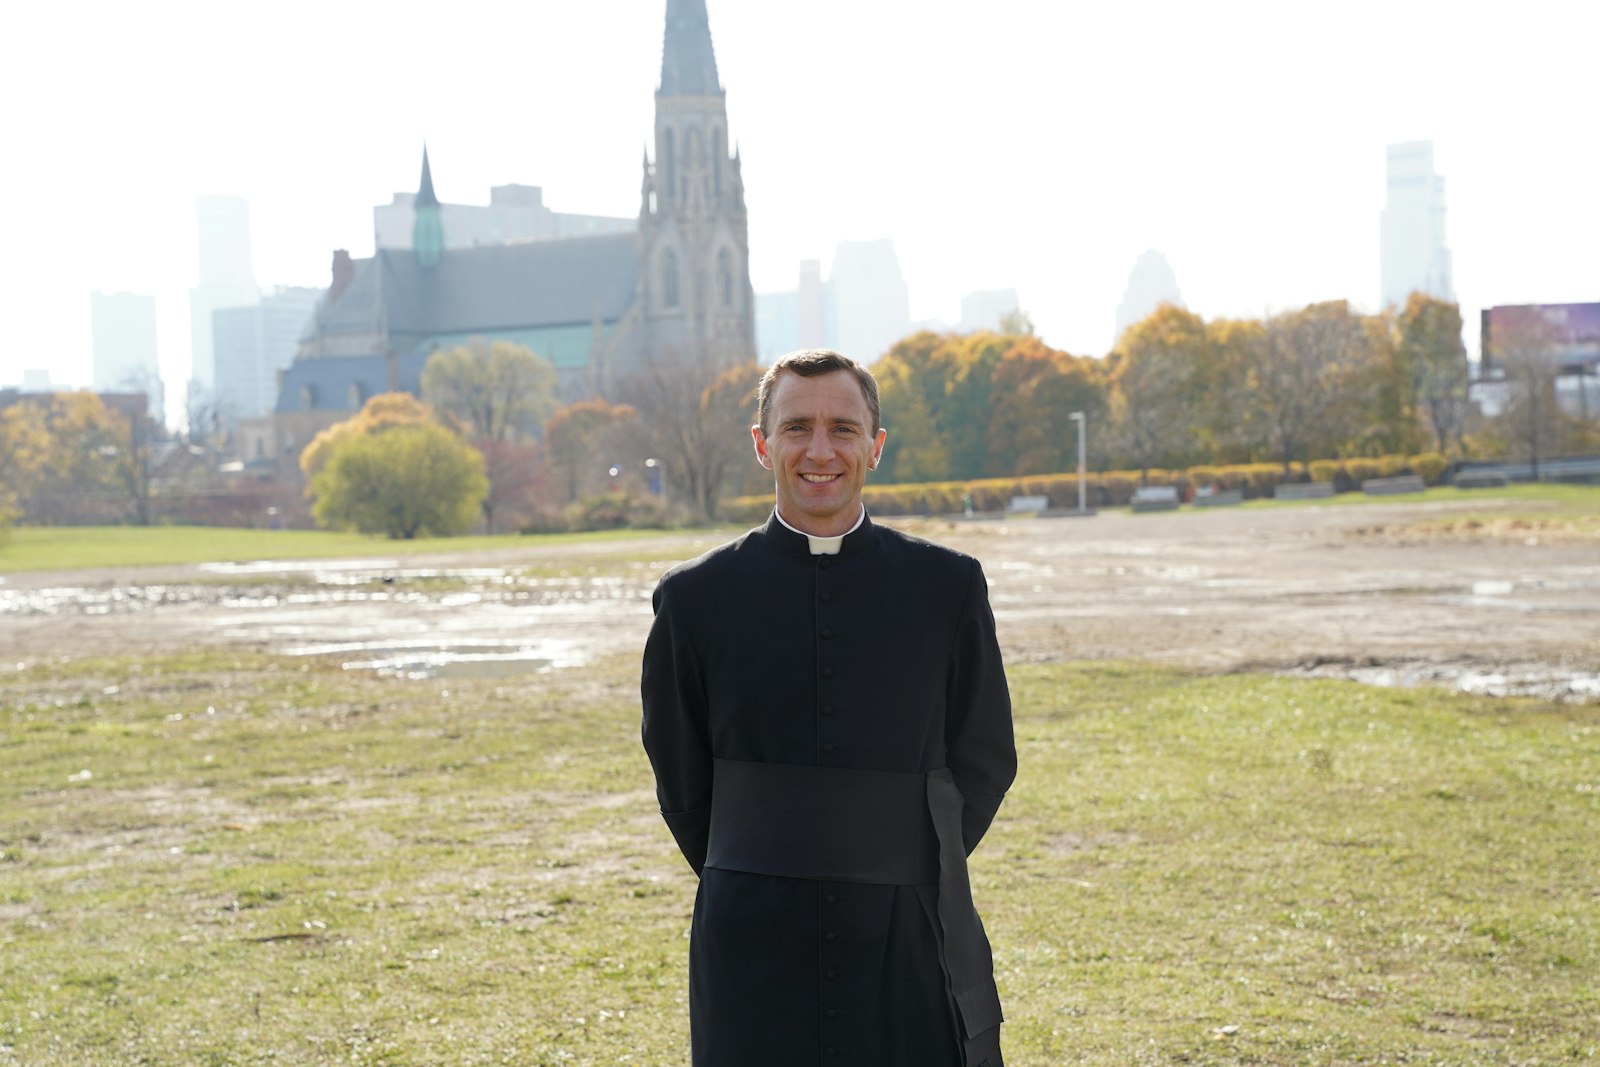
(272, 566)
(1564, 686)
(425, 659)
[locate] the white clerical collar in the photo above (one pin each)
(825, 546)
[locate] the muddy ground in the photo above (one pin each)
(1374, 591)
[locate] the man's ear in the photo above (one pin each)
(877, 449)
(760, 440)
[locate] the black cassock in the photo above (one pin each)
(831, 736)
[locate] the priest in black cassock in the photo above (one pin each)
(828, 720)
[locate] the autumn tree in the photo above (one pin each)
(1433, 360)
(1156, 389)
(1228, 425)
(1035, 389)
(499, 390)
(911, 391)
(582, 440)
(694, 420)
(24, 454)
(403, 481)
(962, 406)
(378, 413)
(1311, 380)
(963, 420)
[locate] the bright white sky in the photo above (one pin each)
(1035, 144)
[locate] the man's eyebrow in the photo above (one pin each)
(837, 420)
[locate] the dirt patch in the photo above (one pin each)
(1408, 594)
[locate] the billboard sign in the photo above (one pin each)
(1568, 335)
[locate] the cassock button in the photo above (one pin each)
(830, 974)
(831, 1013)
(826, 597)
(831, 898)
(829, 747)
(833, 1051)
(827, 709)
(827, 672)
(830, 936)
(826, 633)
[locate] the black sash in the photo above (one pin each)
(837, 824)
(828, 823)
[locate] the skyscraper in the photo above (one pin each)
(252, 344)
(1413, 255)
(226, 278)
(987, 309)
(122, 329)
(1151, 284)
(871, 304)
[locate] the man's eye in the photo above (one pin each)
(844, 429)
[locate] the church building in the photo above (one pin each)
(598, 308)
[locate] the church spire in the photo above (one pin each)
(425, 195)
(688, 63)
(427, 230)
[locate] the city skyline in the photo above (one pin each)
(1254, 161)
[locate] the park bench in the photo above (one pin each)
(1405, 483)
(1033, 504)
(1155, 498)
(1209, 496)
(1481, 480)
(1302, 490)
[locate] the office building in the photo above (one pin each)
(1413, 254)
(253, 344)
(226, 276)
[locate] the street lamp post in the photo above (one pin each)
(1077, 417)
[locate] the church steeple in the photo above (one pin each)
(427, 231)
(688, 63)
(694, 290)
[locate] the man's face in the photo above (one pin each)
(820, 447)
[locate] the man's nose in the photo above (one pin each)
(820, 445)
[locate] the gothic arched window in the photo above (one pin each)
(669, 279)
(718, 157)
(669, 167)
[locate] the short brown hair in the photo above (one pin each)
(809, 363)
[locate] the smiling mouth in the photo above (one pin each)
(818, 479)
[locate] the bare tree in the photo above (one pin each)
(1435, 360)
(583, 439)
(1522, 344)
(695, 422)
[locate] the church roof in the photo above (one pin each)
(688, 62)
(344, 383)
(486, 289)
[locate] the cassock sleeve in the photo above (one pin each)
(675, 728)
(980, 750)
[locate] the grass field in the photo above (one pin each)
(1574, 509)
(36, 548)
(220, 859)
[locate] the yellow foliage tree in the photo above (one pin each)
(403, 481)
(379, 413)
